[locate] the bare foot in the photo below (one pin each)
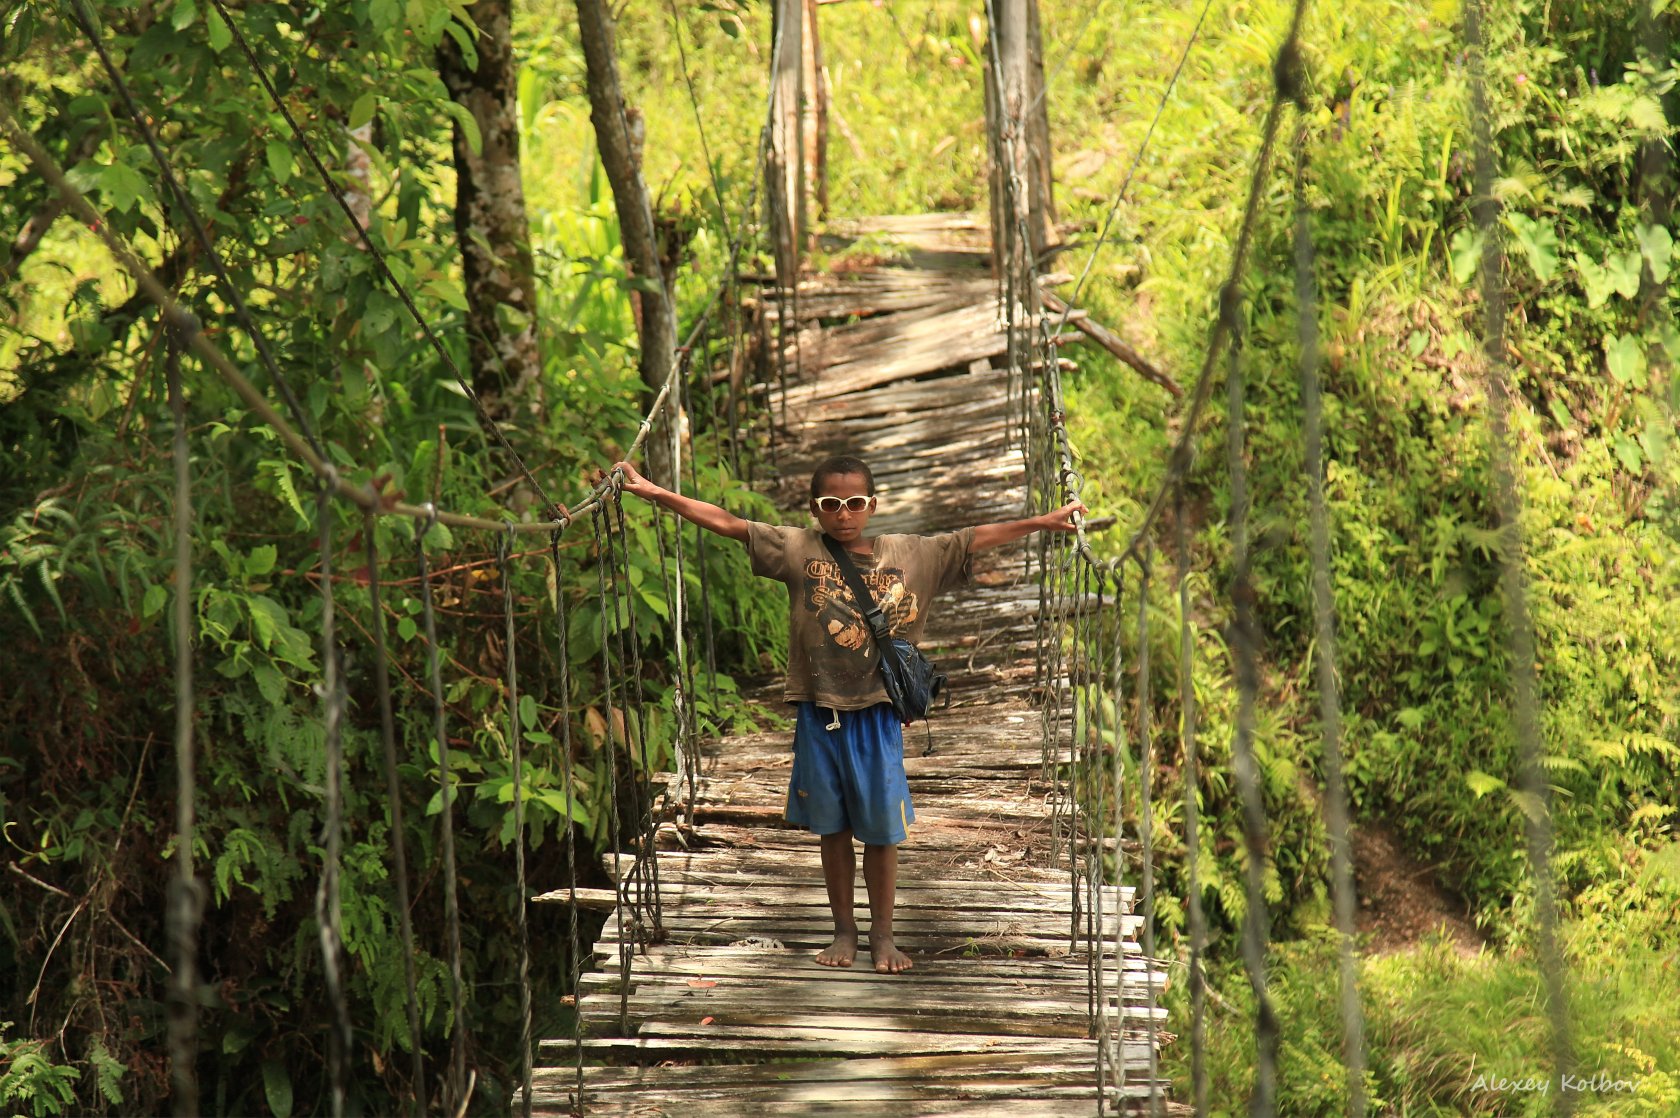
(842, 951)
(888, 958)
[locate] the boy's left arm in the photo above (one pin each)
(994, 535)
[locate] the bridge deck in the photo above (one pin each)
(731, 1015)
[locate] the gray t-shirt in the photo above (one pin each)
(831, 654)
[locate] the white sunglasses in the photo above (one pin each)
(850, 504)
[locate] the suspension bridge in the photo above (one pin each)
(1027, 977)
(1026, 907)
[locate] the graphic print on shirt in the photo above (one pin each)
(828, 596)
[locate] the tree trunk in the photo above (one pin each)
(785, 189)
(490, 207)
(621, 157)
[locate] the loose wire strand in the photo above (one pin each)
(516, 741)
(1324, 626)
(186, 897)
(1513, 578)
(1146, 808)
(394, 804)
(574, 959)
(1192, 810)
(1244, 642)
(329, 905)
(454, 1093)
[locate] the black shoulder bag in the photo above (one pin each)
(912, 682)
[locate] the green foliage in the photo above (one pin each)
(1433, 1047)
(86, 576)
(30, 1081)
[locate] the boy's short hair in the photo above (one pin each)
(842, 464)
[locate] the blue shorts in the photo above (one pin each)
(851, 778)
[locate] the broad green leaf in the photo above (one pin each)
(1538, 242)
(153, 602)
(1624, 268)
(279, 158)
(1624, 354)
(122, 186)
(448, 292)
(277, 1088)
(439, 537)
(362, 111)
(528, 712)
(1657, 246)
(271, 683)
(185, 12)
(1595, 281)
(1630, 454)
(261, 559)
(1466, 254)
(220, 36)
(464, 120)
(406, 628)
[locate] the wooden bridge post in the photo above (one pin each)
(815, 120)
(1023, 118)
(784, 186)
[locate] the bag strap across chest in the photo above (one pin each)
(871, 610)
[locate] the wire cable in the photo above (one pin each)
(186, 897)
(1513, 577)
(394, 804)
(1324, 628)
(454, 1094)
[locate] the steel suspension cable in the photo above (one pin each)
(456, 1085)
(329, 906)
(1192, 810)
(1146, 806)
(504, 550)
(1285, 69)
(1117, 779)
(186, 897)
(1513, 576)
(1324, 627)
(1244, 642)
(1131, 170)
(603, 558)
(574, 959)
(649, 913)
(393, 796)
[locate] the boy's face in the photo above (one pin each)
(844, 524)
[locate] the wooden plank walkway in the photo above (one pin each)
(731, 1015)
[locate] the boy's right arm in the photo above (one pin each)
(711, 517)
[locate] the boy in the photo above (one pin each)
(848, 767)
